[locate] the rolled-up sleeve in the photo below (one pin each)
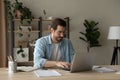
(39, 54)
(71, 50)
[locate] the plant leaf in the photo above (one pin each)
(83, 39)
(82, 33)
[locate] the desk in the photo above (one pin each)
(87, 75)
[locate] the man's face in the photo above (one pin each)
(58, 34)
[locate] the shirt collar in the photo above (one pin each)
(49, 39)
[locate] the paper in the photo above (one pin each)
(104, 69)
(40, 73)
(118, 72)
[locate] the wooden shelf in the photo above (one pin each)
(38, 31)
(27, 19)
(25, 31)
(46, 19)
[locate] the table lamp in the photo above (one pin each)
(114, 34)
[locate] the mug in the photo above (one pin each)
(12, 66)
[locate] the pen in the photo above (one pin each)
(8, 58)
(11, 58)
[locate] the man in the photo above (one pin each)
(54, 50)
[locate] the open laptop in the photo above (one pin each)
(81, 62)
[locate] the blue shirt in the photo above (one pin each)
(43, 50)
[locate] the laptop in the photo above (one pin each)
(81, 62)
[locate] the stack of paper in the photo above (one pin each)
(40, 73)
(104, 69)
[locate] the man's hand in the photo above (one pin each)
(63, 64)
(59, 64)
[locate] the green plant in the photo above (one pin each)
(91, 34)
(44, 13)
(24, 12)
(17, 6)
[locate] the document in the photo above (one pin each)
(41, 73)
(118, 72)
(104, 69)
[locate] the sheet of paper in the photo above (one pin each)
(40, 73)
(104, 69)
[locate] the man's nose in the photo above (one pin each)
(62, 34)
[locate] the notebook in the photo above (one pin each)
(81, 62)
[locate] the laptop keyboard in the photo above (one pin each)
(67, 69)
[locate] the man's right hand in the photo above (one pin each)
(63, 64)
(58, 64)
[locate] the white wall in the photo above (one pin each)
(106, 12)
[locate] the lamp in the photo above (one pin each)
(114, 34)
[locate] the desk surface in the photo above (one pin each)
(66, 75)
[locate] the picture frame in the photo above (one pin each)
(21, 56)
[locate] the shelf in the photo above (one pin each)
(34, 19)
(25, 31)
(38, 30)
(27, 19)
(46, 19)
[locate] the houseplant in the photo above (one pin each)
(19, 11)
(91, 34)
(22, 12)
(13, 8)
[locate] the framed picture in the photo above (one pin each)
(21, 55)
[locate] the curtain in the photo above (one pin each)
(3, 60)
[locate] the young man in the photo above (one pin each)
(54, 50)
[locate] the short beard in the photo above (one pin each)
(59, 40)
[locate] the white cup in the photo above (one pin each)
(12, 66)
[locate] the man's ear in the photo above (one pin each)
(51, 29)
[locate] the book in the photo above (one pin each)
(41, 73)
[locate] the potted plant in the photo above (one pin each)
(44, 14)
(19, 11)
(91, 34)
(22, 12)
(17, 8)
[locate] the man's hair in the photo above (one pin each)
(56, 22)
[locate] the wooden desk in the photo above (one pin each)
(87, 75)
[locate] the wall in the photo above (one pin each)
(0, 29)
(106, 12)
(2, 36)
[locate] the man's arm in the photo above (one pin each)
(71, 50)
(39, 55)
(59, 64)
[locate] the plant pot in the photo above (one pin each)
(18, 14)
